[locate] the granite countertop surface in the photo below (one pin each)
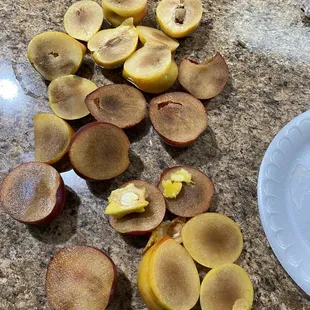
(267, 48)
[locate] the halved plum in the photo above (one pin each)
(179, 118)
(117, 104)
(80, 278)
(99, 151)
(125, 8)
(142, 223)
(194, 198)
(33, 193)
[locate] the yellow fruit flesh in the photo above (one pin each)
(181, 175)
(171, 189)
(125, 8)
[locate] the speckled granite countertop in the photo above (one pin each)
(269, 85)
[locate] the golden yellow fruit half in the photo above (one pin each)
(179, 18)
(227, 287)
(125, 8)
(54, 54)
(67, 95)
(52, 137)
(111, 47)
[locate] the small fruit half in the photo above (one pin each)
(227, 287)
(194, 198)
(179, 118)
(67, 95)
(205, 80)
(179, 18)
(52, 137)
(99, 151)
(33, 193)
(80, 277)
(111, 47)
(142, 223)
(83, 19)
(54, 54)
(149, 34)
(125, 8)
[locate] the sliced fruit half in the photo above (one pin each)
(83, 19)
(179, 18)
(99, 151)
(179, 118)
(142, 223)
(33, 193)
(80, 277)
(54, 54)
(52, 137)
(205, 80)
(125, 8)
(227, 287)
(67, 95)
(111, 47)
(194, 198)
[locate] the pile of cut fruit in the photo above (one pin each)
(34, 193)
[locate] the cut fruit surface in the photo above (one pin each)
(179, 118)
(83, 19)
(212, 239)
(52, 137)
(125, 8)
(111, 47)
(173, 276)
(148, 34)
(33, 193)
(118, 104)
(142, 223)
(205, 80)
(194, 198)
(54, 54)
(67, 95)
(79, 278)
(227, 287)
(99, 151)
(179, 18)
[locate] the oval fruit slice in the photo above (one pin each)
(148, 34)
(54, 54)
(179, 118)
(118, 104)
(52, 137)
(79, 278)
(83, 19)
(227, 287)
(206, 80)
(125, 8)
(194, 198)
(67, 95)
(173, 276)
(33, 193)
(179, 18)
(142, 223)
(212, 239)
(111, 47)
(99, 151)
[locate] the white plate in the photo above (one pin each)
(284, 198)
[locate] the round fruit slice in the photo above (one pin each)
(179, 18)
(83, 19)
(54, 54)
(118, 104)
(80, 277)
(179, 118)
(142, 223)
(125, 8)
(111, 47)
(33, 193)
(227, 287)
(212, 239)
(206, 80)
(173, 276)
(194, 198)
(148, 34)
(52, 137)
(67, 95)
(99, 151)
